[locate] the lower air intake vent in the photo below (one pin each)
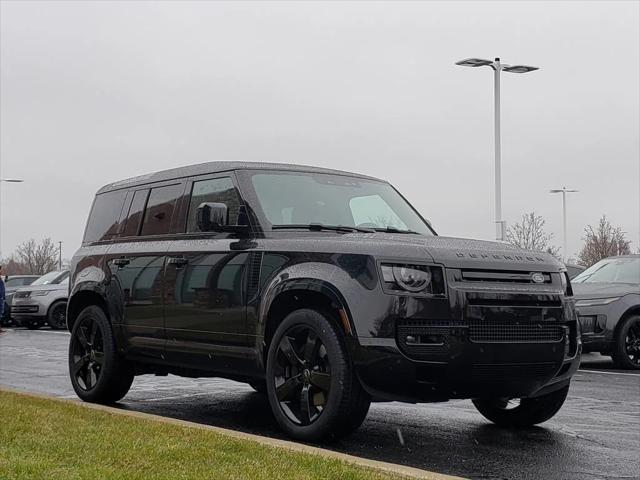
(527, 333)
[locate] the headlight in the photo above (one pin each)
(413, 278)
(40, 293)
(596, 301)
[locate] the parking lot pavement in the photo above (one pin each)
(595, 436)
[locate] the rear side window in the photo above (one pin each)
(217, 190)
(104, 216)
(132, 225)
(160, 206)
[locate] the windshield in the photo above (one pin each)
(612, 270)
(51, 278)
(334, 200)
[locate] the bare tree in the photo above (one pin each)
(38, 258)
(10, 266)
(602, 242)
(530, 235)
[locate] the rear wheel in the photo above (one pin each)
(626, 351)
(57, 316)
(312, 387)
(98, 374)
(522, 412)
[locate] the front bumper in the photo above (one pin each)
(482, 341)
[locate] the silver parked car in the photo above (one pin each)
(44, 301)
(11, 284)
(607, 298)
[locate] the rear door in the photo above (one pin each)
(206, 275)
(137, 262)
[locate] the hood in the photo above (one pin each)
(449, 251)
(33, 288)
(603, 290)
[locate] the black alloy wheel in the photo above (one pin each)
(87, 354)
(302, 375)
(57, 316)
(97, 372)
(626, 352)
(311, 382)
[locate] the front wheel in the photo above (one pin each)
(98, 374)
(311, 384)
(522, 412)
(57, 316)
(626, 351)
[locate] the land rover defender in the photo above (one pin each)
(322, 289)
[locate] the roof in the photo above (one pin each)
(216, 167)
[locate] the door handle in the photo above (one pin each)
(178, 261)
(121, 262)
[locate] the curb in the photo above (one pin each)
(407, 472)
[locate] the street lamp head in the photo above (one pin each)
(519, 68)
(474, 62)
(12, 180)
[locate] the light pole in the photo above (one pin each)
(564, 192)
(497, 68)
(59, 255)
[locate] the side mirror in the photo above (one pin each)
(212, 216)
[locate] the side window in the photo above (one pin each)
(219, 190)
(104, 216)
(132, 227)
(160, 206)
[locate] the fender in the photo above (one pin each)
(342, 282)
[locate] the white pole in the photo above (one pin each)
(500, 233)
(564, 223)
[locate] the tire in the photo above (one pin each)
(259, 386)
(529, 412)
(626, 349)
(98, 373)
(32, 324)
(57, 315)
(312, 387)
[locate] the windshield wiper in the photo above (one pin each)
(316, 227)
(394, 230)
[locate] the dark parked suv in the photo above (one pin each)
(323, 289)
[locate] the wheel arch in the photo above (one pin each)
(294, 294)
(81, 300)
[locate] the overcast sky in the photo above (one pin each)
(94, 92)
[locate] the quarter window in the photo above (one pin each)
(216, 190)
(104, 217)
(160, 206)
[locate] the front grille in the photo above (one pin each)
(497, 372)
(25, 309)
(504, 276)
(485, 332)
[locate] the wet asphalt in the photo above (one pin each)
(595, 436)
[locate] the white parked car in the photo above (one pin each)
(44, 301)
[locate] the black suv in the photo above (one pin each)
(323, 289)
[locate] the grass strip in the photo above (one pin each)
(49, 439)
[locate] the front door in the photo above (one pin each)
(206, 285)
